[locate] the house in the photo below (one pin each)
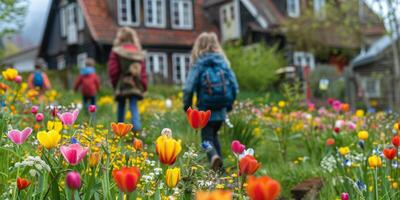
(372, 78)
(77, 29)
(23, 61)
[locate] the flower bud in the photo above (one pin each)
(39, 117)
(92, 108)
(34, 110)
(73, 180)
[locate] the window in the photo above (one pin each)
(60, 62)
(71, 21)
(81, 19)
(304, 59)
(154, 13)
(129, 12)
(372, 87)
(229, 16)
(319, 8)
(81, 60)
(293, 8)
(156, 65)
(182, 14)
(180, 66)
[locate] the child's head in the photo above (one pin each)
(205, 43)
(127, 35)
(90, 62)
(39, 64)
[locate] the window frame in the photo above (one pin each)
(293, 13)
(157, 55)
(181, 16)
(80, 18)
(155, 14)
(184, 71)
(304, 59)
(319, 8)
(377, 87)
(129, 21)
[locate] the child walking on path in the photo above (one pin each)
(89, 83)
(127, 72)
(216, 88)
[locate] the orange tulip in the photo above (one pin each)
(137, 144)
(248, 165)
(121, 129)
(263, 188)
(345, 107)
(126, 178)
(197, 119)
(22, 183)
(167, 149)
(214, 195)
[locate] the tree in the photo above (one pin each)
(12, 14)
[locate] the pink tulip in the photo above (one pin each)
(73, 180)
(337, 105)
(74, 153)
(68, 118)
(237, 147)
(34, 110)
(92, 108)
(18, 79)
(39, 117)
(344, 196)
(19, 137)
(351, 125)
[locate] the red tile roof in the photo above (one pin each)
(103, 28)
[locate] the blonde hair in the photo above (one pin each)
(206, 42)
(127, 35)
(90, 62)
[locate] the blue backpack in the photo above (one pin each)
(38, 79)
(217, 90)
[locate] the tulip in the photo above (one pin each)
(330, 142)
(126, 178)
(73, 153)
(360, 113)
(344, 151)
(10, 74)
(330, 101)
(396, 141)
(48, 139)
(53, 111)
(336, 105)
(374, 161)
(39, 117)
(18, 79)
(311, 106)
(121, 129)
(34, 110)
(344, 196)
(336, 130)
(172, 177)
(22, 183)
(167, 149)
(92, 108)
(248, 165)
(94, 158)
(54, 125)
(345, 107)
(390, 153)
(73, 180)
(197, 119)
(362, 135)
(263, 188)
(19, 137)
(68, 118)
(281, 104)
(137, 144)
(214, 195)
(237, 147)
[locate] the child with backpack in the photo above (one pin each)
(88, 82)
(38, 79)
(216, 88)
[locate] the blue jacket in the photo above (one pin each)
(192, 84)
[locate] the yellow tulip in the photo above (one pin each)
(281, 104)
(53, 125)
(396, 126)
(344, 151)
(49, 139)
(94, 158)
(167, 149)
(10, 74)
(360, 113)
(172, 177)
(363, 135)
(374, 161)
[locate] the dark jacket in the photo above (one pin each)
(88, 81)
(192, 84)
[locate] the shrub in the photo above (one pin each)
(254, 65)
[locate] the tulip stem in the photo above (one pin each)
(376, 183)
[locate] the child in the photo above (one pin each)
(216, 88)
(38, 79)
(89, 83)
(128, 73)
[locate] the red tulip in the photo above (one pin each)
(22, 183)
(330, 142)
(390, 153)
(263, 188)
(336, 129)
(198, 119)
(92, 108)
(34, 110)
(248, 165)
(126, 178)
(396, 141)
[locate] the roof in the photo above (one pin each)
(25, 52)
(268, 10)
(374, 51)
(103, 27)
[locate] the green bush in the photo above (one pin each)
(254, 65)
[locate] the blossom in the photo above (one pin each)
(22, 183)
(362, 135)
(54, 125)
(330, 142)
(39, 117)
(73, 180)
(237, 147)
(137, 144)
(344, 196)
(34, 110)
(281, 104)
(10, 74)
(248, 165)
(396, 141)
(172, 177)
(74, 153)
(360, 113)
(19, 137)
(94, 158)
(18, 79)
(92, 108)
(214, 195)
(390, 153)
(336, 105)
(48, 139)
(344, 151)
(126, 178)
(121, 129)
(68, 118)
(374, 161)
(197, 119)
(345, 107)
(167, 149)
(263, 188)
